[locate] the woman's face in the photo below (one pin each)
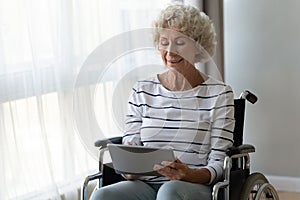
(177, 50)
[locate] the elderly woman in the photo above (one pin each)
(181, 108)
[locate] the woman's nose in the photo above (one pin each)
(172, 50)
(170, 53)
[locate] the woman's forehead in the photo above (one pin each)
(170, 33)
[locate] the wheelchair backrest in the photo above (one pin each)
(239, 115)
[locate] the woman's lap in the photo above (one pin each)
(179, 190)
(138, 190)
(125, 190)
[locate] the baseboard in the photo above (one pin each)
(285, 183)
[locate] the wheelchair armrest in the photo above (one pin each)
(244, 148)
(217, 187)
(84, 188)
(103, 143)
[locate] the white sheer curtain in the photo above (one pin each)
(43, 44)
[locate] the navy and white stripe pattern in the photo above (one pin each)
(197, 124)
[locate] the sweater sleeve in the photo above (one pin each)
(221, 133)
(133, 120)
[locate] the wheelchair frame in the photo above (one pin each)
(238, 183)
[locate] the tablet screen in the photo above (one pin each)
(132, 159)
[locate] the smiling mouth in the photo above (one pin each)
(175, 61)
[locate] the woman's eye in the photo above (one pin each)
(180, 42)
(164, 42)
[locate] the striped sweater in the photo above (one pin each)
(197, 123)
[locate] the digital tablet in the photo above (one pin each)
(140, 160)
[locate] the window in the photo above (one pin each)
(43, 46)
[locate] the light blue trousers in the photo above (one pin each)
(138, 190)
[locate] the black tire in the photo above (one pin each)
(251, 186)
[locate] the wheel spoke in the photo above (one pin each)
(257, 187)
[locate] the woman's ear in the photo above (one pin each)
(201, 55)
(197, 57)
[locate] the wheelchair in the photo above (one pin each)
(238, 182)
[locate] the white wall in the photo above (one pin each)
(262, 54)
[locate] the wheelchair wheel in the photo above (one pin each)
(257, 187)
(266, 191)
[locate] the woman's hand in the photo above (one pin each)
(179, 171)
(173, 170)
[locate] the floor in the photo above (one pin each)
(288, 196)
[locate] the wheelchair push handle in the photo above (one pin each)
(249, 96)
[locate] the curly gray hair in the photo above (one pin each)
(189, 21)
